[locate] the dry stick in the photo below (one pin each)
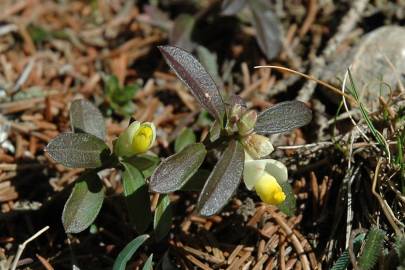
(387, 211)
(294, 240)
(311, 78)
(23, 245)
(311, 16)
(347, 25)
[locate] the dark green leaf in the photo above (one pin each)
(85, 117)
(143, 161)
(78, 150)
(111, 85)
(125, 109)
(148, 263)
(163, 218)
(268, 27)
(125, 94)
(176, 170)
(223, 181)
(215, 131)
(84, 203)
(283, 117)
(210, 62)
(372, 249)
(136, 197)
(185, 138)
(231, 7)
(193, 74)
(197, 181)
(343, 261)
(289, 205)
(180, 35)
(129, 250)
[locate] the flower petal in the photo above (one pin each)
(277, 169)
(122, 146)
(143, 138)
(269, 190)
(252, 172)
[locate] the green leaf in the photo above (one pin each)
(136, 197)
(289, 205)
(111, 86)
(148, 263)
(125, 94)
(185, 138)
(343, 261)
(85, 117)
(197, 79)
(197, 181)
(163, 218)
(215, 131)
(142, 161)
(210, 62)
(372, 249)
(84, 203)
(176, 170)
(223, 181)
(283, 117)
(129, 250)
(231, 7)
(268, 28)
(78, 150)
(180, 35)
(400, 251)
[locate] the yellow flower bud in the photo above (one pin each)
(269, 190)
(136, 139)
(142, 139)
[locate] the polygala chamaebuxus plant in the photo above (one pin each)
(85, 148)
(240, 135)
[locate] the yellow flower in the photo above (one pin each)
(265, 176)
(142, 139)
(269, 190)
(136, 139)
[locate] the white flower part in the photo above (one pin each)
(277, 169)
(266, 147)
(254, 169)
(123, 144)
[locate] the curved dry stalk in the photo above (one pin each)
(386, 209)
(309, 77)
(294, 239)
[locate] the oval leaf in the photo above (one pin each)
(176, 170)
(185, 138)
(231, 7)
(289, 205)
(136, 197)
(283, 117)
(223, 180)
(84, 203)
(163, 218)
(197, 79)
(78, 150)
(129, 250)
(180, 35)
(86, 118)
(268, 28)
